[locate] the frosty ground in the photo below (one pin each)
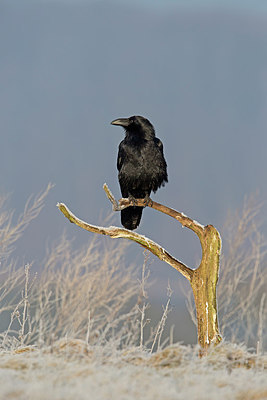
(71, 370)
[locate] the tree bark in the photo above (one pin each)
(204, 283)
(203, 280)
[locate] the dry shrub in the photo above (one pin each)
(14, 279)
(91, 294)
(243, 278)
(87, 293)
(84, 293)
(79, 293)
(10, 232)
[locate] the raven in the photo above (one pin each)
(141, 165)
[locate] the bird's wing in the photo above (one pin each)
(159, 144)
(121, 157)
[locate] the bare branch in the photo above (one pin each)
(182, 218)
(115, 232)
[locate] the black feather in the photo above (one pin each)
(141, 165)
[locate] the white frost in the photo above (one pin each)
(198, 224)
(175, 373)
(207, 317)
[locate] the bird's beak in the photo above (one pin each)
(121, 122)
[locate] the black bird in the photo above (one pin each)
(141, 165)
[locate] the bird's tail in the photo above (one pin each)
(131, 217)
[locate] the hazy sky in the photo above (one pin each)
(252, 5)
(245, 4)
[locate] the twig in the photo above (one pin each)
(182, 218)
(142, 299)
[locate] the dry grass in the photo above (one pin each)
(83, 293)
(69, 369)
(10, 232)
(78, 327)
(243, 278)
(89, 293)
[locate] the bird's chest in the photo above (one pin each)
(138, 158)
(139, 165)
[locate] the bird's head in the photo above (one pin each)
(135, 124)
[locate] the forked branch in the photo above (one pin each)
(182, 218)
(203, 279)
(115, 232)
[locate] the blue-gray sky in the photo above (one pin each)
(257, 6)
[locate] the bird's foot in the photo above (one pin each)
(132, 199)
(147, 201)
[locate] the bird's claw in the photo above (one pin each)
(147, 201)
(132, 200)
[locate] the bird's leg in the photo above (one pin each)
(147, 200)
